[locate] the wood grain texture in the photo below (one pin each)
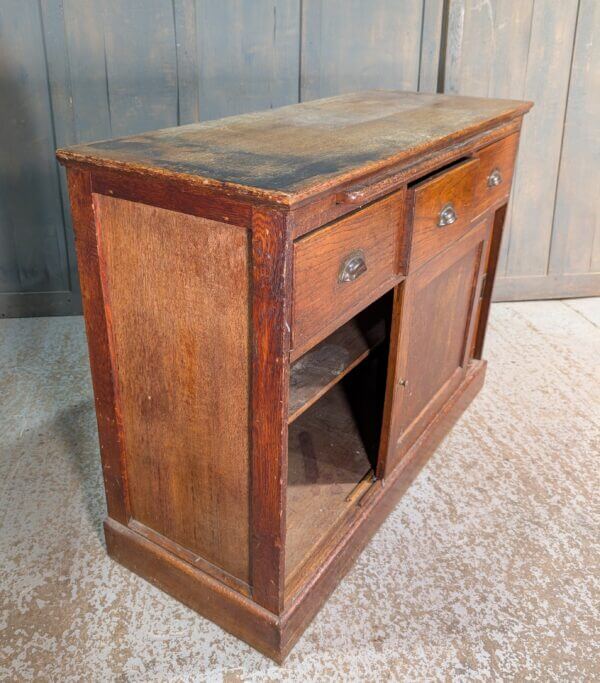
(327, 460)
(291, 153)
(454, 186)
(275, 636)
(98, 337)
(233, 612)
(167, 193)
(330, 567)
(180, 339)
(498, 157)
(248, 55)
(327, 207)
(438, 304)
(385, 38)
(222, 498)
(271, 323)
(491, 255)
(321, 367)
(320, 301)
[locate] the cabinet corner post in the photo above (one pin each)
(97, 328)
(271, 309)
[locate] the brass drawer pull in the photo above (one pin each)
(447, 216)
(494, 178)
(353, 266)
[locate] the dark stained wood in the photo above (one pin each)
(327, 363)
(101, 358)
(434, 331)
(453, 186)
(500, 158)
(271, 303)
(326, 461)
(190, 585)
(330, 566)
(244, 476)
(188, 556)
(317, 211)
(167, 193)
(293, 152)
(182, 361)
(275, 636)
(491, 263)
(321, 302)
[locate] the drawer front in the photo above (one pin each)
(341, 268)
(495, 173)
(442, 211)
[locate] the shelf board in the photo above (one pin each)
(328, 472)
(328, 362)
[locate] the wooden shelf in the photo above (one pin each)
(329, 361)
(328, 472)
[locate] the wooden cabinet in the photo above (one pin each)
(285, 315)
(436, 309)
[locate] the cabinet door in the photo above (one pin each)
(431, 341)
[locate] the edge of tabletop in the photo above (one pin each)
(78, 156)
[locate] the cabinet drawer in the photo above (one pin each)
(442, 210)
(495, 172)
(342, 267)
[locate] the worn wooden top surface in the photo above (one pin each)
(295, 151)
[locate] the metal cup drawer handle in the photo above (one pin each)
(494, 178)
(353, 266)
(447, 215)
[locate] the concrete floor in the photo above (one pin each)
(486, 570)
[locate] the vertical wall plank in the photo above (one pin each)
(84, 29)
(187, 61)
(63, 118)
(546, 82)
(576, 219)
(350, 45)
(468, 71)
(248, 54)
(79, 70)
(431, 43)
(141, 65)
(488, 44)
(33, 252)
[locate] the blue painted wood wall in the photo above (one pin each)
(79, 70)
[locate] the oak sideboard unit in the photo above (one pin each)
(285, 314)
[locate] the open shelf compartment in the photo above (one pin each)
(328, 362)
(337, 392)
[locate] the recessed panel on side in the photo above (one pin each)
(177, 292)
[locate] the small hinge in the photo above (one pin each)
(483, 284)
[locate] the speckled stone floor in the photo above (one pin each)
(486, 570)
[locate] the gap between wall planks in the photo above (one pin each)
(99, 69)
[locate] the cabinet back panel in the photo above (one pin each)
(177, 292)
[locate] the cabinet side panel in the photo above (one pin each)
(177, 293)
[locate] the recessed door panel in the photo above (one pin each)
(433, 326)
